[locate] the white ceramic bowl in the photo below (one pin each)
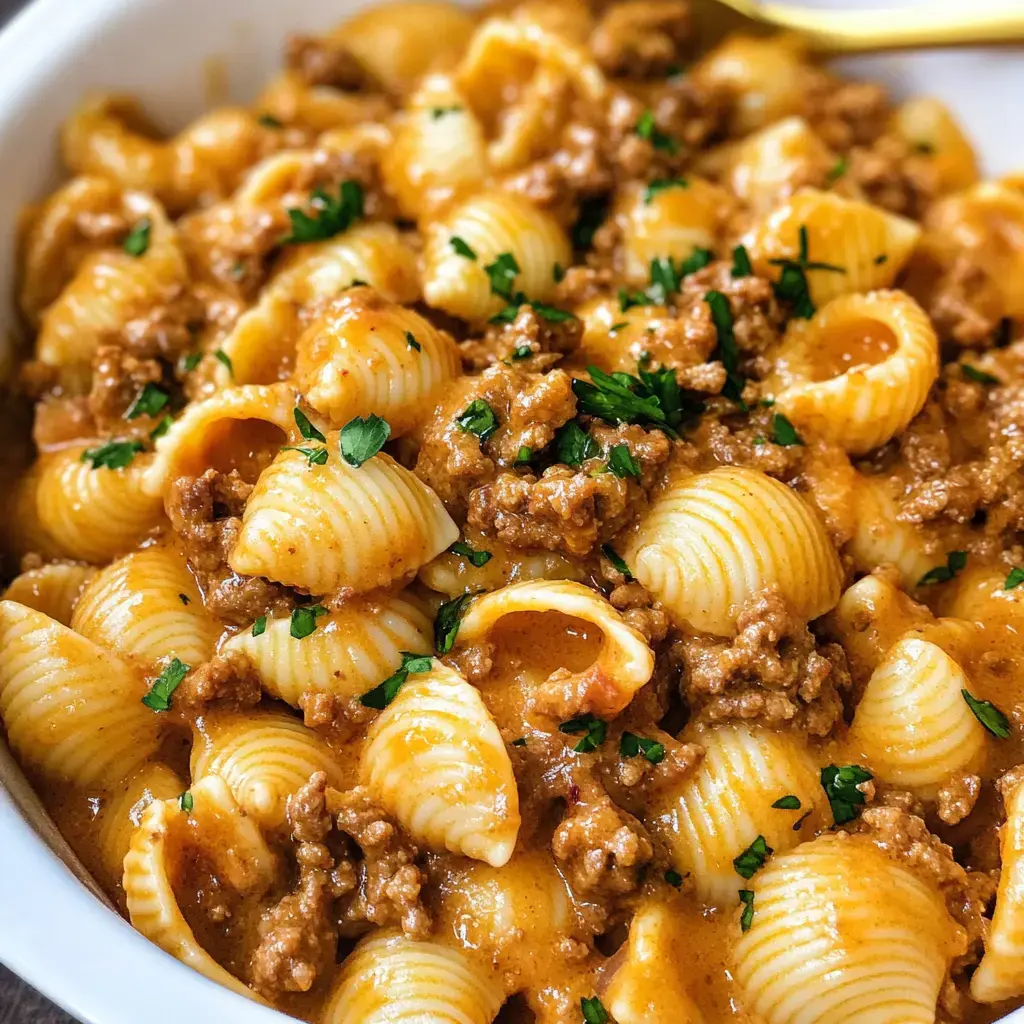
(54, 931)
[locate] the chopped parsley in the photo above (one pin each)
(524, 454)
(925, 148)
(628, 299)
(446, 623)
(474, 557)
(741, 265)
(330, 216)
(652, 398)
(315, 456)
(792, 285)
(747, 901)
(618, 327)
(661, 184)
(137, 241)
(557, 273)
(361, 439)
(697, 260)
(591, 216)
(616, 559)
(304, 620)
(185, 599)
(384, 693)
(838, 169)
(149, 401)
(594, 729)
(191, 361)
(881, 258)
(160, 693)
(978, 376)
(462, 247)
(787, 803)
(161, 428)
(783, 432)
(410, 340)
(269, 121)
(630, 745)
(593, 1011)
(673, 878)
(648, 130)
(955, 562)
(259, 627)
(225, 360)
(726, 351)
(522, 352)
(799, 823)
(502, 273)
(436, 113)
(186, 802)
(306, 429)
(840, 784)
(752, 859)
(477, 418)
(989, 715)
(521, 742)
(621, 461)
(112, 455)
(1014, 578)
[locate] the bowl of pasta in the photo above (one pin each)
(509, 516)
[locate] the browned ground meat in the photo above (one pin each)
(298, 936)
(846, 114)
(389, 879)
(166, 329)
(323, 61)
(773, 672)
(227, 680)
(957, 797)
(204, 512)
(566, 509)
(117, 379)
(546, 340)
(964, 304)
(642, 38)
(894, 175)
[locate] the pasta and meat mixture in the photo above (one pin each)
(524, 525)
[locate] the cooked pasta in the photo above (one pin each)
(522, 522)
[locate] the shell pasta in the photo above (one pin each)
(523, 523)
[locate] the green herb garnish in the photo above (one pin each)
(474, 557)
(462, 247)
(787, 803)
(225, 360)
(112, 455)
(137, 241)
(594, 1011)
(630, 745)
(186, 802)
(979, 376)
(304, 620)
(620, 566)
(989, 715)
(840, 784)
(259, 627)
(384, 693)
(410, 340)
(159, 696)
(331, 216)
(741, 265)
(306, 429)
(783, 432)
(621, 462)
(446, 624)
(478, 418)
(647, 129)
(594, 729)
(1014, 578)
(747, 901)
(752, 858)
(660, 184)
(955, 562)
(726, 351)
(361, 439)
(315, 456)
(149, 401)
(792, 285)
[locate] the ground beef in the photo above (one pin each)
(389, 879)
(964, 303)
(893, 175)
(773, 672)
(205, 513)
(642, 38)
(227, 680)
(566, 509)
(165, 330)
(546, 340)
(322, 61)
(845, 114)
(117, 379)
(299, 936)
(957, 797)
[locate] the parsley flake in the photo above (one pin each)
(149, 401)
(161, 428)
(594, 729)
(752, 859)
(1014, 578)
(881, 258)
(137, 241)
(521, 742)
(474, 557)
(660, 185)
(306, 429)
(838, 169)
(410, 340)
(620, 398)
(225, 360)
(647, 129)
(783, 432)
(557, 273)
(978, 376)
(384, 693)
(361, 439)
(955, 562)
(591, 216)
(259, 627)
(330, 216)
(304, 618)
(697, 260)
(616, 559)
(185, 599)
(741, 265)
(502, 273)
(447, 621)
(159, 696)
(186, 802)
(673, 878)
(630, 745)
(191, 361)
(522, 352)
(727, 351)
(436, 113)
(315, 456)
(618, 327)
(112, 455)
(462, 247)
(524, 454)
(792, 285)
(478, 418)
(989, 715)
(594, 1011)
(840, 784)
(787, 803)
(799, 823)
(621, 462)
(747, 901)
(269, 121)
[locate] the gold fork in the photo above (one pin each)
(936, 23)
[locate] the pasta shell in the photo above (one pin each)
(434, 759)
(51, 589)
(238, 850)
(845, 233)
(357, 358)
(725, 803)
(352, 650)
(927, 125)
(859, 371)
(623, 664)
(711, 542)
(264, 757)
(290, 99)
(390, 979)
(614, 340)
(491, 223)
(452, 574)
(1000, 975)
(147, 606)
(72, 711)
(843, 935)
(325, 527)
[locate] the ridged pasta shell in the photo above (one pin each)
(624, 663)
(725, 803)
(52, 589)
(912, 725)
(261, 345)
(1000, 975)
(843, 935)
(925, 123)
(491, 223)
(434, 759)
(352, 650)
(711, 542)
(152, 905)
(264, 756)
(846, 233)
(135, 607)
(94, 514)
(614, 340)
(222, 431)
(390, 979)
(356, 358)
(452, 574)
(72, 711)
(859, 371)
(325, 527)
(292, 100)
(645, 988)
